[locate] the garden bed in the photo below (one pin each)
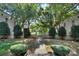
(5, 45)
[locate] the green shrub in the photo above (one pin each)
(4, 29)
(19, 49)
(62, 32)
(61, 50)
(75, 31)
(52, 32)
(17, 31)
(27, 33)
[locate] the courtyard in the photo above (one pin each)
(41, 29)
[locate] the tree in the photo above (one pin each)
(25, 13)
(54, 14)
(49, 16)
(62, 11)
(22, 13)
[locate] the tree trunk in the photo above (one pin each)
(27, 31)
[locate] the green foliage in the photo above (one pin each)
(24, 12)
(4, 29)
(26, 32)
(39, 29)
(62, 32)
(18, 49)
(52, 32)
(61, 12)
(75, 31)
(17, 31)
(5, 45)
(51, 15)
(61, 50)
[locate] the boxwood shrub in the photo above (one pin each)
(27, 33)
(4, 30)
(62, 32)
(75, 31)
(19, 49)
(52, 32)
(17, 31)
(60, 50)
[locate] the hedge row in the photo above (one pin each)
(62, 32)
(5, 31)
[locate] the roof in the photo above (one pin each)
(4, 12)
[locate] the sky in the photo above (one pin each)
(44, 5)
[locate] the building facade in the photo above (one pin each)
(68, 23)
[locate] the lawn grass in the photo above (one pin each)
(5, 45)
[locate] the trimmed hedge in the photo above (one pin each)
(19, 49)
(4, 29)
(62, 32)
(75, 31)
(27, 33)
(52, 32)
(17, 31)
(60, 50)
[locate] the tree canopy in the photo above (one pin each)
(40, 17)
